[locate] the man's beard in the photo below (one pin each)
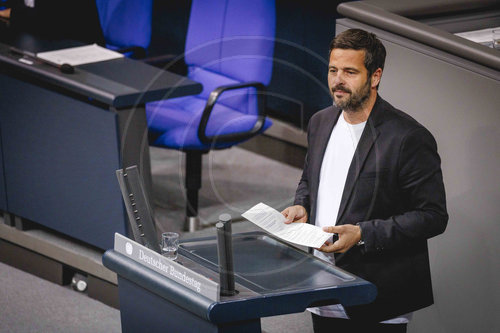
(355, 101)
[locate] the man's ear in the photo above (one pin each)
(376, 76)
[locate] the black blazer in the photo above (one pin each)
(394, 190)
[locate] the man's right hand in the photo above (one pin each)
(295, 213)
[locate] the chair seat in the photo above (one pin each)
(177, 121)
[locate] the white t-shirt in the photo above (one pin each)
(336, 162)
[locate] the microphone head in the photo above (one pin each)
(224, 218)
(67, 69)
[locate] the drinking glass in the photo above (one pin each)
(169, 245)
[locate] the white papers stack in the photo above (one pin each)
(80, 55)
(483, 36)
(272, 222)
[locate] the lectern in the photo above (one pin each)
(271, 278)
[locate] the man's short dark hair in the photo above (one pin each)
(357, 39)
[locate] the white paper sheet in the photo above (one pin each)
(483, 36)
(273, 222)
(80, 55)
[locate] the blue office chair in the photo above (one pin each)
(126, 25)
(229, 49)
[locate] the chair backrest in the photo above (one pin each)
(126, 23)
(230, 41)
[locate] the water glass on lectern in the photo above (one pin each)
(169, 245)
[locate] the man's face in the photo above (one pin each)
(348, 79)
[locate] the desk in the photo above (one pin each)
(64, 135)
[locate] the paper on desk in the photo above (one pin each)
(483, 36)
(80, 55)
(272, 222)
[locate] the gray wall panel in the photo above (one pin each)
(3, 194)
(459, 104)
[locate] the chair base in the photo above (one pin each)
(192, 223)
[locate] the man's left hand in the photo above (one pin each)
(349, 235)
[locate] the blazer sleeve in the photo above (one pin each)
(420, 183)
(302, 195)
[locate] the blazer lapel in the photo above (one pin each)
(324, 136)
(368, 138)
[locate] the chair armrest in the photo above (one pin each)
(138, 52)
(212, 99)
(161, 59)
(170, 62)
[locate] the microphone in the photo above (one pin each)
(64, 68)
(225, 255)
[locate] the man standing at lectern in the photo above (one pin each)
(372, 178)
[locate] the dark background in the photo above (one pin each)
(303, 32)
